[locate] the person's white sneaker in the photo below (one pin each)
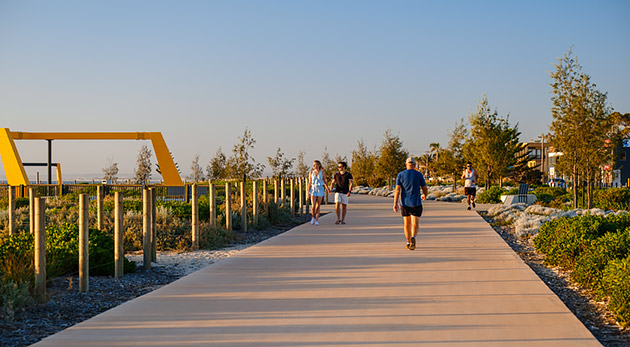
(316, 223)
(312, 220)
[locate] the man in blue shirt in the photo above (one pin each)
(407, 193)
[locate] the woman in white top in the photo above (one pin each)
(470, 188)
(317, 190)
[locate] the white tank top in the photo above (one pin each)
(469, 178)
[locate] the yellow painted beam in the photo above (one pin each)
(13, 168)
(167, 166)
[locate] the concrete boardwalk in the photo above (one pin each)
(353, 284)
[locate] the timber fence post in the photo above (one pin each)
(119, 250)
(228, 207)
(255, 202)
(265, 196)
(31, 209)
(243, 206)
(12, 210)
(292, 196)
(99, 207)
(195, 218)
(212, 201)
(40, 249)
(275, 191)
(300, 196)
(146, 228)
(153, 224)
(283, 191)
(84, 236)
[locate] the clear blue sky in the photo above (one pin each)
(301, 75)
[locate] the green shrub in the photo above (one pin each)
(62, 252)
(563, 239)
(590, 265)
(616, 284)
(545, 194)
(491, 195)
(13, 297)
(612, 199)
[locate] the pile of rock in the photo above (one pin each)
(527, 220)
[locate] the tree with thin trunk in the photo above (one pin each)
(111, 171)
(143, 165)
(196, 171)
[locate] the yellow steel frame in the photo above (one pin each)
(16, 175)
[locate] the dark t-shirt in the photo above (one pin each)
(342, 182)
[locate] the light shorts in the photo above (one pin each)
(342, 198)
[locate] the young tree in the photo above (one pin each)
(143, 168)
(241, 163)
(391, 158)
(280, 166)
(196, 171)
(493, 143)
(328, 164)
(452, 158)
(301, 169)
(363, 164)
(111, 171)
(217, 167)
(582, 124)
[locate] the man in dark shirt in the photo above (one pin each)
(342, 186)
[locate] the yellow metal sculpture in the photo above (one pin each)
(16, 175)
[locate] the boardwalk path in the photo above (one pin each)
(353, 284)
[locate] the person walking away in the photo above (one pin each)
(342, 182)
(317, 190)
(407, 194)
(470, 177)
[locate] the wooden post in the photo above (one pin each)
(153, 224)
(12, 229)
(255, 202)
(300, 196)
(243, 207)
(84, 235)
(119, 250)
(308, 199)
(40, 249)
(292, 196)
(275, 191)
(99, 207)
(195, 218)
(31, 210)
(228, 207)
(212, 201)
(283, 192)
(146, 229)
(265, 196)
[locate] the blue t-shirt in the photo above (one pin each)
(410, 182)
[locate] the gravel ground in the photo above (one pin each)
(593, 313)
(68, 307)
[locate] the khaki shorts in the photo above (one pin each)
(341, 198)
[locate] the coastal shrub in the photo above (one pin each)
(13, 297)
(597, 249)
(612, 199)
(616, 284)
(563, 239)
(545, 195)
(589, 266)
(491, 195)
(62, 252)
